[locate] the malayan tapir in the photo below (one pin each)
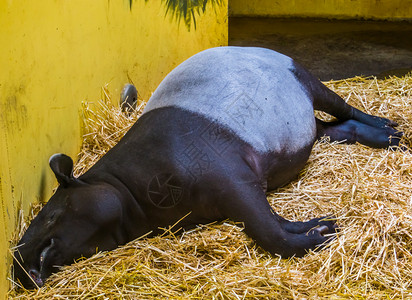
(222, 129)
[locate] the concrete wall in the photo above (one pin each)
(56, 54)
(340, 9)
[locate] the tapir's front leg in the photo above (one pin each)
(248, 204)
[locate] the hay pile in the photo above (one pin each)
(368, 190)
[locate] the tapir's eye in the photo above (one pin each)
(52, 219)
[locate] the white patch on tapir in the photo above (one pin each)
(252, 91)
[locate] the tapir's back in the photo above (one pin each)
(251, 91)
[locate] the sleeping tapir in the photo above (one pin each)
(222, 129)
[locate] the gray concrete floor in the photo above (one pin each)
(332, 49)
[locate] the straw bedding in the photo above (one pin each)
(368, 190)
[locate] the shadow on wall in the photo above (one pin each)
(185, 10)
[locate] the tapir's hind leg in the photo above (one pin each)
(353, 125)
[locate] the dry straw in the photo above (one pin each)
(368, 190)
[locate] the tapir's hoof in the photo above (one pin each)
(328, 222)
(322, 234)
(392, 135)
(324, 230)
(128, 98)
(391, 123)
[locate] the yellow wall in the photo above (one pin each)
(54, 55)
(340, 9)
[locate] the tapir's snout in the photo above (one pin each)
(36, 276)
(29, 264)
(30, 278)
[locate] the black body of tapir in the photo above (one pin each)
(222, 128)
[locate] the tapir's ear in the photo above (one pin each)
(62, 167)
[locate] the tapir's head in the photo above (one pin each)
(78, 220)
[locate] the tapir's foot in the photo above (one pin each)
(387, 122)
(374, 121)
(310, 235)
(326, 225)
(321, 232)
(316, 239)
(382, 135)
(374, 131)
(373, 136)
(393, 135)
